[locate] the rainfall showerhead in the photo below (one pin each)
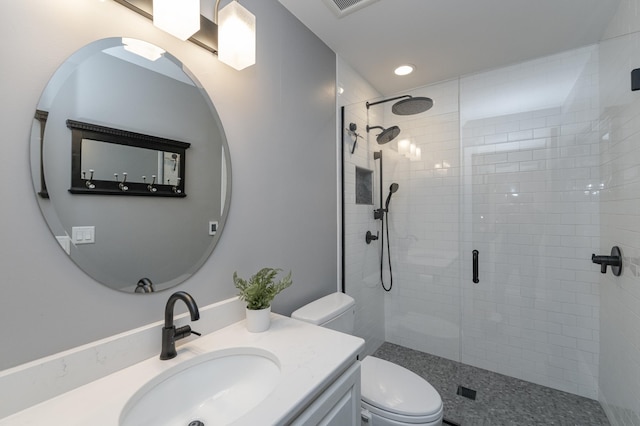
(387, 135)
(409, 105)
(412, 106)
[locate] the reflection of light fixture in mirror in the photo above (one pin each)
(180, 18)
(403, 146)
(236, 36)
(409, 150)
(414, 153)
(142, 48)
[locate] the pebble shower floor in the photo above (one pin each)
(500, 400)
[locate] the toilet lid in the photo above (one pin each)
(397, 390)
(322, 310)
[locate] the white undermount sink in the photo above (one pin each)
(215, 388)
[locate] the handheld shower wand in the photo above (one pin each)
(392, 190)
(380, 214)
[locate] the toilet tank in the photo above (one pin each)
(336, 311)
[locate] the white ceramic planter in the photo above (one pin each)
(258, 320)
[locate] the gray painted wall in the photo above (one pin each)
(279, 117)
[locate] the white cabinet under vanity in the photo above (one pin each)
(337, 406)
(294, 373)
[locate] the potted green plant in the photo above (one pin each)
(258, 292)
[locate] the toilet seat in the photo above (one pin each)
(395, 393)
(404, 420)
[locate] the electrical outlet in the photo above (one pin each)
(213, 227)
(635, 79)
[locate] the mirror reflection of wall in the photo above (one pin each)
(163, 239)
(108, 159)
(170, 170)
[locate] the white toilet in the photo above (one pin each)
(391, 395)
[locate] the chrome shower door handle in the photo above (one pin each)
(475, 267)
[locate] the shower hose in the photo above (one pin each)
(388, 254)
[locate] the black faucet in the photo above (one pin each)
(169, 332)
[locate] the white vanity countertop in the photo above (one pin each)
(310, 359)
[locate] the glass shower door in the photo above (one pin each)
(529, 206)
(422, 310)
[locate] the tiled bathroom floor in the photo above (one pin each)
(500, 400)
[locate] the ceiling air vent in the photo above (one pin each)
(342, 8)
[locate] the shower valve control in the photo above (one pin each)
(370, 237)
(615, 261)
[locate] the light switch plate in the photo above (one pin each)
(83, 234)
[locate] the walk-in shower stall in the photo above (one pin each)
(494, 219)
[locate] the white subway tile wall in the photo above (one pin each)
(361, 260)
(619, 136)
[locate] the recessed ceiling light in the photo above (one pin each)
(404, 69)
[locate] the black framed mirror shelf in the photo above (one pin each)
(111, 122)
(152, 166)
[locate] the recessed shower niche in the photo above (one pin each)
(364, 186)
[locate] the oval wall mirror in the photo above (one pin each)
(131, 166)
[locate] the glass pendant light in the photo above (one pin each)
(236, 36)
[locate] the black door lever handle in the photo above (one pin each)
(476, 280)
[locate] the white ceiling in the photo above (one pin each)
(449, 38)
